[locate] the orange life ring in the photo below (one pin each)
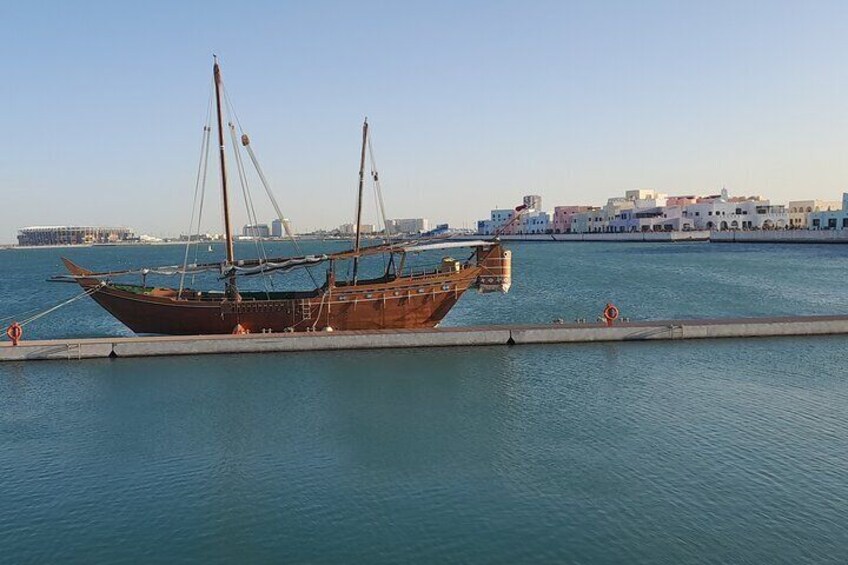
(239, 330)
(15, 332)
(611, 313)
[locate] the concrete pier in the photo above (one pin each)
(101, 348)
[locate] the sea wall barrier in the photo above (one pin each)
(734, 236)
(102, 348)
(780, 236)
(657, 237)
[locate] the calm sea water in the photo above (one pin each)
(692, 452)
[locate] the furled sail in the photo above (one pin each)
(271, 265)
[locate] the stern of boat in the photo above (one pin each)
(495, 265)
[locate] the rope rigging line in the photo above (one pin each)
(201, 174)
(385, 228)
(252, 218)
(378, 191)
(200, 212)
(203, 188)
(245, 142)
(87, 292)
(21, 315)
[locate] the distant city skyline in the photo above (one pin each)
(472, 105)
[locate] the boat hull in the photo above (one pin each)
(411, 302)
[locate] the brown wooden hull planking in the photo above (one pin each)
(403, 302)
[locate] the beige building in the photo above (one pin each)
(800, 210)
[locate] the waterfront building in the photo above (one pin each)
(534, 222)
(564, 215)
(799, 211)
(740, 213)
(409, 225)
(681, 200)
(830, 219)
(590, 221)
(636, 211)
(658, 218)
(497, 219)
(281, 228)
(446, 230)
(646, 210)
(533, 202)
(255, 231)
(646, 198)
(350, 229)
(72, 235)
(201, 237)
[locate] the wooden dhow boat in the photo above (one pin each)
(402, 295)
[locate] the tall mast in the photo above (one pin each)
(359, 199)
(228, 232)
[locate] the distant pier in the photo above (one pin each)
(103, 348)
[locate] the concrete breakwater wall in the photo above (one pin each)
(780, 236)
(613, 237)
(763, 236)
(69, 349)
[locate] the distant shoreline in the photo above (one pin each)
(158, 243)
(778, 236)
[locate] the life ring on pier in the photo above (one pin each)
(239, 330)
(15, 332)
(611, 313)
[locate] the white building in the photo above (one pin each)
(409, 225)
(590, 221)
(830, 220)
(534, 222)
(637, 210)
(533, 219)
(533, 201)
(350, 229)
(799, 211)
(281, 228)
(256, 231)
(661, 218)
(497, 219)
(720, 214)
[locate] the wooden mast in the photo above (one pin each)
(359, 200)
(228, 232)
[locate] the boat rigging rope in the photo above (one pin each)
(320, 309)
(200, 179)
(378, 191)
(252, 218)
(200, 211)
(87, 292)
(385, 229)
(245, 142)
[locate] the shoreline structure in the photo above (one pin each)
(555, 333)
(776, 236)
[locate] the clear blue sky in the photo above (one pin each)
(473, 104)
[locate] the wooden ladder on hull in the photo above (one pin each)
(303, 311)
